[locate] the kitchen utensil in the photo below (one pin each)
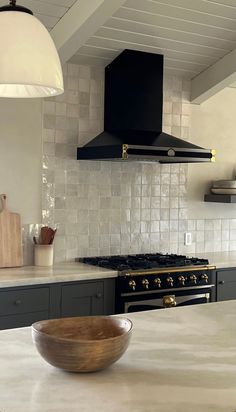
(53, 235)
(10, 237)
(47, 235)
(224, 191)
(43, 255)
(35, 240)
(82, 344)
(44, 235)
(222, 184)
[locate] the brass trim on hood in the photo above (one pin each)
(213, 152)
(166, 148)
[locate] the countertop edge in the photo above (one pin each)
(65, 272)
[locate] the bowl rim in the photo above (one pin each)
(34, 329)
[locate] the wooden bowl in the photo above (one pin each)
(82, 344)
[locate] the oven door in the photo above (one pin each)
(167, 300)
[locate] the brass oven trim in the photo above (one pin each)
(172, 290)
(169, 270)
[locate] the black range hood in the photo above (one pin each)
(133, 116)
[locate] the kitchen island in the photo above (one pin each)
(179, 360)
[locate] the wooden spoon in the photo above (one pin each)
(52, 238)
(47, 235)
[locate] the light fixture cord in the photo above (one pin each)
(13, 3)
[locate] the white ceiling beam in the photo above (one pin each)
(81, 21)
(215, 78)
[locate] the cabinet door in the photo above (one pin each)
(226, 284)
(82, 299)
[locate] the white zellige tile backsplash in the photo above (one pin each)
(104, 208)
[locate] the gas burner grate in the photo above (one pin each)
(143, 261)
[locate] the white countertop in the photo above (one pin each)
(179, 360)
(220, 259)
(34, 275)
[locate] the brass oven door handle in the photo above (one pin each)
(169, 301)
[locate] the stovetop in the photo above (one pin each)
(143, 261)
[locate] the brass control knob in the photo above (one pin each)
(181, 280)
(145, 283)
(132, 284)
(193, 278)
(157, 282)
(170, 281)
(204, 277)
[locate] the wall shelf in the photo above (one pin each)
(220, 198)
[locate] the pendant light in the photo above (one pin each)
(29, 62)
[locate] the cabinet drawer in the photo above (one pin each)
(13, 302)
(24, 319)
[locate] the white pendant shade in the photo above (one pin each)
(29, 62)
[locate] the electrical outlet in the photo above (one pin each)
(188, 238)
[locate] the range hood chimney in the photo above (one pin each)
(133, 116)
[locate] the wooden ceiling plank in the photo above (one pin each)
(65, 3)
(214, 78)
(159, 42)
(112, 53)
(195, 67)
(47, 9)
(91, 60)
(182, 14)
(229, 3)
(202, 6)
(175, 24)
(172, 53)
(109, 55)
(98, 52)
(48, 21)
(79, 23)
(168, 33)
(88, 60)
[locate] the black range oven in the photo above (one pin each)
(165, 288)
(157, 281)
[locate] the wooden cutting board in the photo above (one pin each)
(10, 237)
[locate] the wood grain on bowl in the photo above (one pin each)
(82, 344)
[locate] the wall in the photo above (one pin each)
(213, 125)
(104, 208)
(112, 208)
(21, 156)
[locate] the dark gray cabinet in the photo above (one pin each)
(88, 298)
(226, 284)
(19, 321)
(21, 306)
(17, 301)
(82, 299)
